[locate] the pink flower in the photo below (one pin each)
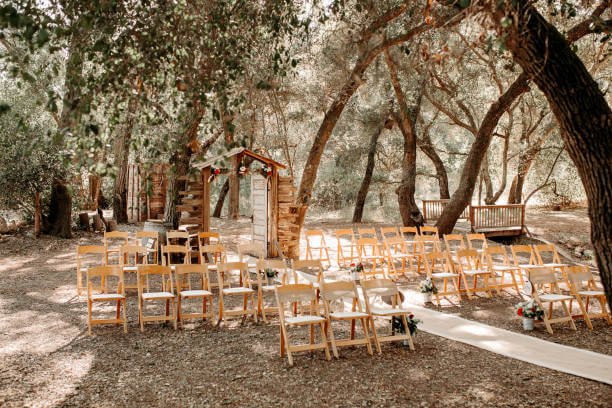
(411, 316)
(520, 311)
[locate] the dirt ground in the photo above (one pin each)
(48, 359)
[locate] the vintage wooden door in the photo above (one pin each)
(259, 200)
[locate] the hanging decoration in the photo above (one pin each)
(266, 170)
(242, 170)
(213, 174)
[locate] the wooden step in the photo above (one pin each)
(188, 192)
(191, 220)
(189, 208)
(284, 235)
(191, 201)
(286, 189)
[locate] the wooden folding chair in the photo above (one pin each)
(425, 245)
(410, 235)
(370, 253)
(367, 233)
(479, 243)
(583, 287)
(347, 247)
(198, 272)
(498, 264)
(87, 257)
(212, 255)
(542, 279)
(131, 257)
(385, 288)
(395, 250)
(229, 288)
(263, 287)
(452, 244)
(248, 251)
(389, 232)
(341, 291)
(315, 242)
(177, 238)
(287, 295)
(527, 252)
(308, 271)
(427, 230)
(175, 255)
(149, 240)
(160, 278)
(439, 267)
(549, 251)
(113, 241)
(106, 275)
(468, 260)
(208, 238)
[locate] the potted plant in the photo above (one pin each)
(529, 311)
(427, 288)
(397, 325)
(271, 276)
(356, 270)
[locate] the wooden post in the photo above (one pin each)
(205, 199)
(273, 216)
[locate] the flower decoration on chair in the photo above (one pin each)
(356, 270)
(529, 309)
(271, 273)
(266, 170)
(397, 324)
(427, 286)
(213, 174)
(242, 170)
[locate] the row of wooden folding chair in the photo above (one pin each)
(289, 295)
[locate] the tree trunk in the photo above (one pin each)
(233, 212)
(584, 116)
(59, 221)
(221, 199)
(94, 191)
(409, 211)
(471, 169)
(441, 174)
(486, 179)
(121, 150)
(367, 178)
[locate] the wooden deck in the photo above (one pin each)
(498, 220)
(432, 209)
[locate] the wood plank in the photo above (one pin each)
(191, 220)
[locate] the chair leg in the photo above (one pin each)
(569, 315)
(324, 340)
(174, 313)
(332, 338)
(124, 317)
(411, 344)
(90, 314)
(140, 316)
(585, 314)
(366, 335)
(375, 334)
(254, 307)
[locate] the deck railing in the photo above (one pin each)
(497, 216)
(432, 209)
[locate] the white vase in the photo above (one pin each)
(528, 323)
(355, 276)
(271, 280)
(427, 297)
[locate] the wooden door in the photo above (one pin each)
(259, 200)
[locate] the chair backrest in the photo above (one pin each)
(224, 272)
(412, 232)
(394, 245)
(189, 270)
(497, 255)
(454, 242)
(295, 293)
(118, 238)
(427, 230)
(212, 254)
(148, 239)
(577, 276)
(169, 250)
(389, 232)
(164, 274)
(368, 247)
(468, 258)
(130, 255)
(90, 254)
(276, 265)
(310, 266)
(346, 235)
(331, 291)
(517, 250)
(367, 233)
(379, 287)
(315, 234)
(175, 237)
(473, 238)
(546, 248)
(540, 277)
(256, 250)
(104, 274)
(208, 237)
(428, 243)
(437, 261)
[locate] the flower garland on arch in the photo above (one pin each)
(213, 174)
(266, 170)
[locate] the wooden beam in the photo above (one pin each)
(205, 199)
(273, 217)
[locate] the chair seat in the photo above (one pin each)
(553, 297)
(236, 291)
(304, 319)
(347, 315)
(157, 295)
(107, 296)
(555, 265)
(475, 272)
(195, 293)
(504, 268)
(591, 293)
(387, 311)
(269, 288)
(400, 255)
(442, 275)
(130, 268)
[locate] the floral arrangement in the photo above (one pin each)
(242, 170)
(397, 324)
(356, 269)
(270, 273)
(529, 309)
(266, 170)
(213, 173)
(427, 286)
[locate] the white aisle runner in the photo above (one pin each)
(571, 360)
